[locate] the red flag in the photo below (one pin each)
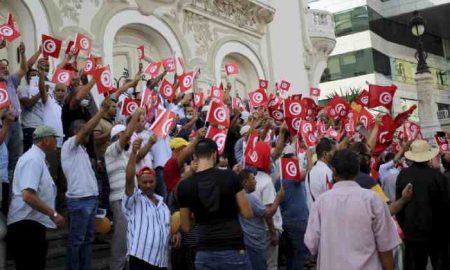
(170, 64)
(12, 22)
(333, 134)
(403, 116)
(63, 76)
(91, 64)
(276, 114)
(285, 85)
(8, 32)
(199, 99)
(4, 97)
(340, 106)
(307, 130)
(217, 92)
(321, 127)
(147, 99)
(218, 114)
(411, 131)
(441, 141)
(251, 142)
(349, 126)
(103, 78)
(290, 169)
(364, 117)
(293, 125)
(274, 101)
(152, 69)
(141, 52)
(381, 96)
(83, 43)
(292, 108)
(129, 106)
(219, 136)
(363, 98)
(231, 69)
(69, 47)
(309, 107)
(385, 134)
(51, 46)
(163, 124)
(237, 104)
(258, 98)
(167, 90)
(401, 136)
(186, 81)
(314, 92)
(264, 84)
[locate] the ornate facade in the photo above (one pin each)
(268, 39)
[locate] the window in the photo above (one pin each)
(351, 21)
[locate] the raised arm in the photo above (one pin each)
(278, 151)
(146, 148)
(129, 84)
(81, 93)
(92, 123)
(372, 140)
(187, 152)
(131, 127)
(272, 208)
(42, 91)
(23, 62)
(34, 58)
(131, 167)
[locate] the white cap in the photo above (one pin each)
(117, 129)
(244, 129)
(245, 115)
(205, 108)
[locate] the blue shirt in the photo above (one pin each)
(13, 82)
(239, 150)
(294, 207)
(32, 173)
(254, 228)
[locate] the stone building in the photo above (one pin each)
(268, 39)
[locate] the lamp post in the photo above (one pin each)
(417, 24)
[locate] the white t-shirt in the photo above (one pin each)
(265, 192)
(318, 181)
(52, 117)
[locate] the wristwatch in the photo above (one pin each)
(55, 214)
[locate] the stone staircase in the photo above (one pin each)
(56, 255)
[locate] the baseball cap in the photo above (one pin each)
(244, 129)
(176, 143)
(117, 129)
(245, 115)
(45, 131)
(145, 170)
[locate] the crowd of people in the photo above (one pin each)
(188, 201)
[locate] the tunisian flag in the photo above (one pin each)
(186, 80)
(340, 106)
(411, 131)
(258, 98)
(141, 52)
(83, 43)
(385, 135)
(199, 99)
(153, 69)
(218, 114)
(290, 169)
(264, 84)
(231, 69)
(51, 46)
(129, 106)
(167, 90)
(163, 124)
(307, 130)
(292, 108)
(442, 142)
(63, 76)
(4, 97)
(104, 80)
(381, 96)
(401, 118)
(363, 98)
(219, 136)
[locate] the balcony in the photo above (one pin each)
(321, 26)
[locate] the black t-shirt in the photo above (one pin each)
(211, 196)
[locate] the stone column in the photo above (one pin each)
(427, 105)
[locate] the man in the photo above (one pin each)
(32, 204)
(216, 199)
(116, 162)
(82, 191)
(144, 157)
(14, 140)
(254, 228)
(181, 153)
(265, 192)
(423, 219)
(148, 218)
(320, 178)
(32, 98)
(350, 228)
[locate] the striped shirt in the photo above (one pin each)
(116, 164)
(148, 228)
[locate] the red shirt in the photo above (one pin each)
(172, 173)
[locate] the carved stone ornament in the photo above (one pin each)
(244, 14)
(200, 28)
(71, 9)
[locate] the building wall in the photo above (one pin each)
(206, 34)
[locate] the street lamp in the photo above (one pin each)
(417, 24)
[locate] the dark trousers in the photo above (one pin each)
(138, 264)
(27, 244)
(183, 258)
(417, 254)
(27, 138)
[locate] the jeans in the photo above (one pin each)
(161, 189)
(272, 252)
(119, 239)
(221, 260)
(27, 138)
(14, 141)
(256, 258)
(82, 213)
(296, 249)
